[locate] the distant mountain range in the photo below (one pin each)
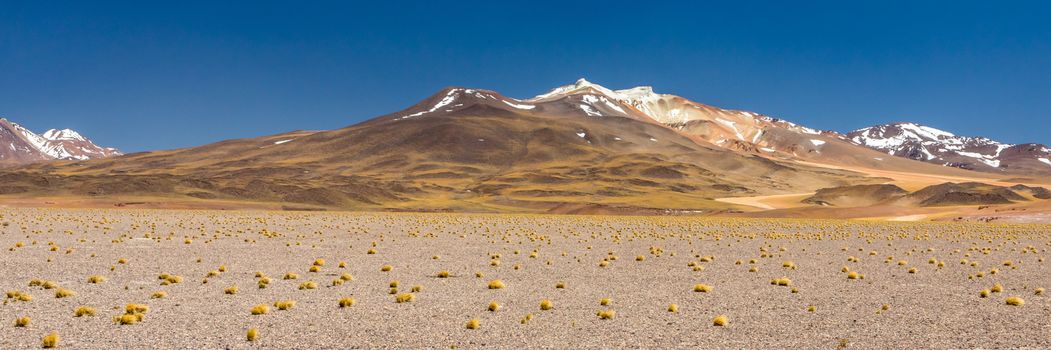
(928, 144)
(19, 145)
(573, 149)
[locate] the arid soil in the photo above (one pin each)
(641, 264)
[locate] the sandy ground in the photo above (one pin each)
(779, 201)
(936, 307)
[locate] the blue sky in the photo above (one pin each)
(157, 75)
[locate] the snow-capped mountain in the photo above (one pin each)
(745, 131)
(932, 145)
(741, 130)
(19, 145)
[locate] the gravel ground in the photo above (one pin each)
(935, 307)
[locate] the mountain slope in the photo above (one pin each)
(19, 145)
(460, 149)
(740, 131)
(936, 146)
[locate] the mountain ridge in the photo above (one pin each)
(19, 145)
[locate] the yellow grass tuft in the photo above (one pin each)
(346, 277)
(546, 305)
(720, 321)
(386, 268)
(853, 275)
(64, 293)
(997, 288)
(702, 288)
(673, 308)
(96, 279)
(50, 341)
(319, 262)
(84, 311)
(291, 276)
(474, 324)
(159, 295)
(1039, 291)
(284, 304)
(783, 281)
(1015, 301)
(230, 290)
(347, 302)
(261, 309)
(984, 293)
(605, 301)
(606, 314)
(308, 285)
(252, 334)
(404, 298)
(22, 321)
(493, 306)
(443, 274)
(496, 284)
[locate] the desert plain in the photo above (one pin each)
(200, 279)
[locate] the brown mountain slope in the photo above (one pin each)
(461, 149)
(855, 196)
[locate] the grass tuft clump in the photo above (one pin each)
(404, 298)
(284, 304)
(496, 284)
(1015, 301)
(22, 321)
(546, 305)
(261, 309)
(64, 293)
(702, 288)
(474, 324)
(96, 279)
(606, 314)
(50, 341)
(346, 302)
(252, 334)
(721, 321)
(84, 311)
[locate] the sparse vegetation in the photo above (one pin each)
(50, 341)
(84, 311)
(261, 309)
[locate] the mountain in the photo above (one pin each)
(19, 145)
(936, 146)
(740, 131)
(461, 149)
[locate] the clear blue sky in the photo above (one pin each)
(143, 75)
